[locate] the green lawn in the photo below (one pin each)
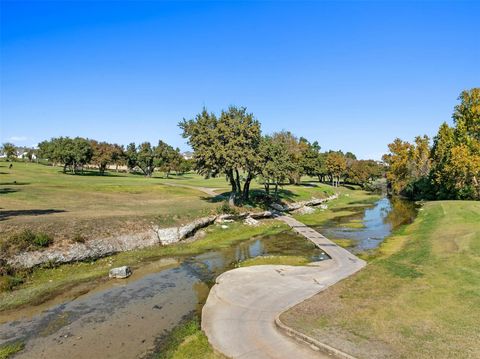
(420, 298)
(67, 206)
(44, 199)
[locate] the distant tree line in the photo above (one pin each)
(76, 153)
(232, 144)
(448, 169)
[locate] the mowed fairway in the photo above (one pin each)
(44, 199)
(420, 298)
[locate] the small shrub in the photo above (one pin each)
(42, 240)
(21, 241)
(225, 208)
(78, 238)
(7, 283)
(24, 241)
(50, 264)
(5, 268)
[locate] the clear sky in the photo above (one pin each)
(352, 75)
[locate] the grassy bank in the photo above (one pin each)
(187, 341)
(285, 260)
(45, 283)
(8, 350)
(420, 297)
(347, 204)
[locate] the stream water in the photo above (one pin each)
(127, 318)
(369, 225)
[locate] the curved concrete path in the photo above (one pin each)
(239, 315)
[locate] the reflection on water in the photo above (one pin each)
(125, 317)
(374, 223)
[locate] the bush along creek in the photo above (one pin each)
(132, 317)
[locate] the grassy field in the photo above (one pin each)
(67, 206)
(43, 198)
(420, 298)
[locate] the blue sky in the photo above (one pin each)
(352, 75)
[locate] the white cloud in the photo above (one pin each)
(18, 138)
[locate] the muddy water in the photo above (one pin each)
(125, 318)
(374, 223)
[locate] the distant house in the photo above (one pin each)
(188, 155)
(24, 152)
(25, 155)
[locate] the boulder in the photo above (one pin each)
(249, 221)
(277, 207)
(305, 210)
(120, 272)
(259, 215)
(168, 235)
(190, 229)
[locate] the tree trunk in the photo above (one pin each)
(267, 187)
(237, 180)
(246, 187)
(231, 199)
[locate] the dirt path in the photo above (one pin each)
(210, 191)
(240, 312)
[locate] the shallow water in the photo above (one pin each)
(125, 318)
(377, 222)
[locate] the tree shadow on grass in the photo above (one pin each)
(4, 215)
(14, 183)
(222, 197)
(88, 173)
(8, 190)
(258, 198)
(308, 184)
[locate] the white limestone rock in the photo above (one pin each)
(120, 272)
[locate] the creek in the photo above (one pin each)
(130, 318)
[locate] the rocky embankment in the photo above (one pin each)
(101, 247)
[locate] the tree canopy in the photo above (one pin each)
(450, 168)
(227, 144)
(9, 150)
